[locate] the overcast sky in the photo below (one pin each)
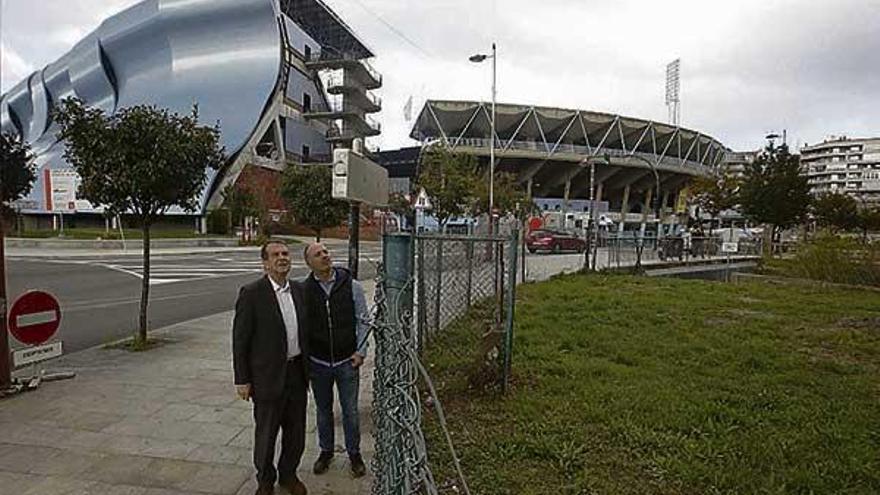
(749, 67)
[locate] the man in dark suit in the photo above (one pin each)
(270, 360)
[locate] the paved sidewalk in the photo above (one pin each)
(161, 422)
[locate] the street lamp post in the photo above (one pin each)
(591, 161)
(477, 59)
(657, 209)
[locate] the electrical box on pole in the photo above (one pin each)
(359, 180)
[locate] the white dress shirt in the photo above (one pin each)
(288, 313)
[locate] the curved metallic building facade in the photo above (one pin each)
(240, 61)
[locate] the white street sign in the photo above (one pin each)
(36, 354)
(729, 247)
(423, 202)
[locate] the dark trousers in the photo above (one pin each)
(287, 413)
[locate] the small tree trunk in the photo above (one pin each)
(5, 367)
(317, 235)
(145, 286)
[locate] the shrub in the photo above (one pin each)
(833, 259)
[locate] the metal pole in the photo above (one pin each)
(492, 146)
(354, 228)
(5, 366)
(511, 311)
(590, 217)
(438, 284)
(423, 304)
(470, 271)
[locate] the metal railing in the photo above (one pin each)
(373, 123)
(328, 55)
(617, 252)
(552, 149)
(337, 79)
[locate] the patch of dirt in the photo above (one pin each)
(871, 324)
(132, 345)
(749, 300)
(748, 313)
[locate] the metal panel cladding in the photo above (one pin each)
(224, 55)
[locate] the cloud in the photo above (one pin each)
(15, 68)
(748, 67)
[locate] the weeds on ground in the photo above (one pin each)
(832, 259)
(632, 385)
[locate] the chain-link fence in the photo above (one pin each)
(616, 252)
(469, 280)
(400, 464)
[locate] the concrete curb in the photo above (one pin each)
(74, 244)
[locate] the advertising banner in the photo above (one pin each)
(60, 187)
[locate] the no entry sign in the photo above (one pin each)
(34, 317)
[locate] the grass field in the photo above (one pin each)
(628, 385)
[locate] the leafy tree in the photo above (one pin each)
(399, 204)
(839, 212)
(17, 172)
(507, 196)
(715, 194)
(307, 191)
(141, 160)
(241, 203)
(868, 220)
(402, 205)
(449, 179)
(17, 176)
(773, 191)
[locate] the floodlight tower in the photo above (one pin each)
(673, 91)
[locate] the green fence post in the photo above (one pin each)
(422, 316)
(397, 265)
(470, 273)
(439, 284)
(511, 312)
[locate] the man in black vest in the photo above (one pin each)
(270, 360)
(337, 329)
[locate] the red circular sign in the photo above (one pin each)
(34, 317)
(535, 223)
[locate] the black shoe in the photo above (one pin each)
(323, 463)
(293, 486)
(358, 468)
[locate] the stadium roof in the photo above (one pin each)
(555, 132)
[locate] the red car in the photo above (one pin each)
(554, 241)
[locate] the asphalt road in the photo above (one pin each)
(100, 295)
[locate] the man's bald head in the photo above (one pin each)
(318, 258)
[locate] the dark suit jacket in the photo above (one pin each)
(259, 339)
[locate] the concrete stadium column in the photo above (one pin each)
(662, 223)
(599, 192)
(624, 208)
(565, 197)
(529, 188)
(647, 209)
(201, 225)
(677, 200)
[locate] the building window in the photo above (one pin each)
(307, 52)
(307, 103)
(306, 152)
